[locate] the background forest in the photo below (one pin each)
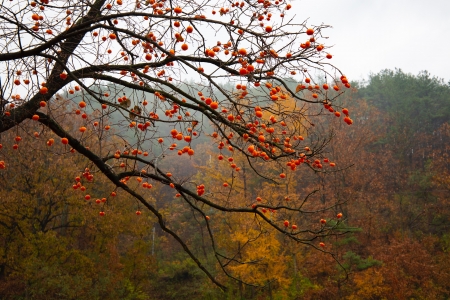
(394, 175)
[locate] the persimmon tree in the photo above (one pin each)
(149, 78)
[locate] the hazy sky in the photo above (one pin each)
(371, 35)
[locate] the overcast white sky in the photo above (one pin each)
(371, 35)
